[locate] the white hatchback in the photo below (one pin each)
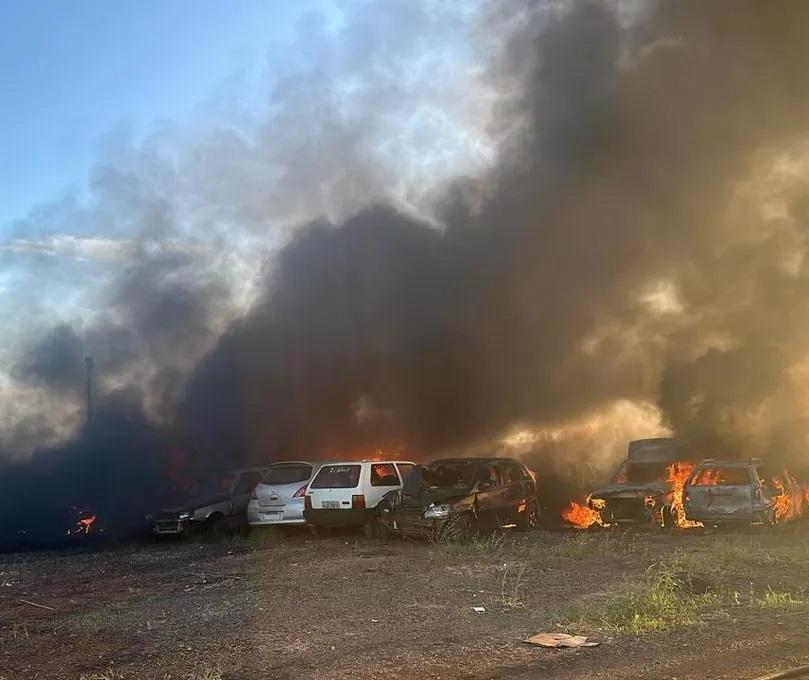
(347, 494)
(278, 498)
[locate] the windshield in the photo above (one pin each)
(450, 475)
(723, 476)
(287, 474)
(642, 473)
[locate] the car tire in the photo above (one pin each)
(464, 528)
(372, 527)
(216, 525)
(670, 520)
(529, 519)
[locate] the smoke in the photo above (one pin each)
(638, 237)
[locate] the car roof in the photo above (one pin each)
(367, 462)
(714, 462)
(476, 459)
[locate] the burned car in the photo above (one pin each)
(216, 504)
(719, 493)
(461, 496)
(647, 488)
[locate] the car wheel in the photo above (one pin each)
(530, 518)
(216, 525)
(463, 528)
(372, 527)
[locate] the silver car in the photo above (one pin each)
(216, 505)
(279, 498)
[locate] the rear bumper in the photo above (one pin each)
(746, 516)
(270, 515)
(337, 517)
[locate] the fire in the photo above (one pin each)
(83, 526)
(580, 515)
(677, 475)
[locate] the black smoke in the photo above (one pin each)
(636, 241)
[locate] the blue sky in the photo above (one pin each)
(71, 72)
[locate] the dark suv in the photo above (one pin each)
(463, 495)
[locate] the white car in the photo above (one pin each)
(278, 498)
(347, 494)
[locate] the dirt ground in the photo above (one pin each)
(291, 606)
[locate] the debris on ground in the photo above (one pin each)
(560, 640)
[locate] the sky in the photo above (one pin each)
(71, 73)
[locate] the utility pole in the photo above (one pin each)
(88, 362)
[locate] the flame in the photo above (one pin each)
(83, 526)
(580, 515)
(677, 475)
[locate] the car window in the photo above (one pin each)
(247, 482)
(384, 474)
(336, 477)
(508, 473)
(286, 473)
(405, 469)
(489, 473)
(722, 476)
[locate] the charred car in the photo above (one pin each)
(217, 504)
(647, 488)
(462, 496)
(719, 493)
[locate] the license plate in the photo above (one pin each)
(271, 515)
(331, 505)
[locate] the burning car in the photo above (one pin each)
(216, 505)
(646, 490)
(729, 492)
(463, 495)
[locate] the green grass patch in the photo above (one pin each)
(660, 601)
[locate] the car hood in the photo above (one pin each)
(437, 496)
(631, 490)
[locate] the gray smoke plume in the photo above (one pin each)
(639, 239)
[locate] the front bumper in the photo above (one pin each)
(169, 527)
(416, 525)
(629, 511)
(338, 517)
(272, 515)
(742, 516)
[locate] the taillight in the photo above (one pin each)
(358, 502)
(307, 502)
(755, 493)
(253, 494)
(300, 493)
(686, 496)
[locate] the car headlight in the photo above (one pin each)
(436, 512)
(598, 503)
(649, 501)
(186, 515)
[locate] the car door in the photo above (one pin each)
(488, 497)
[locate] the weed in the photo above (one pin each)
(510, 585)
(659, 602)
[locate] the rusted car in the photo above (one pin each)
(719, 493)
(216, 505)
(460, 496)
(647, 488)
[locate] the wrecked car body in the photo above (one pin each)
(216, 505)
(647, 488)
(719, 493)
(459, 496)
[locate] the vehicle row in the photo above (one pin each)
(462, 495)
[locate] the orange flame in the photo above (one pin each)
(83, 526)
(677, 475)
(580, 515)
